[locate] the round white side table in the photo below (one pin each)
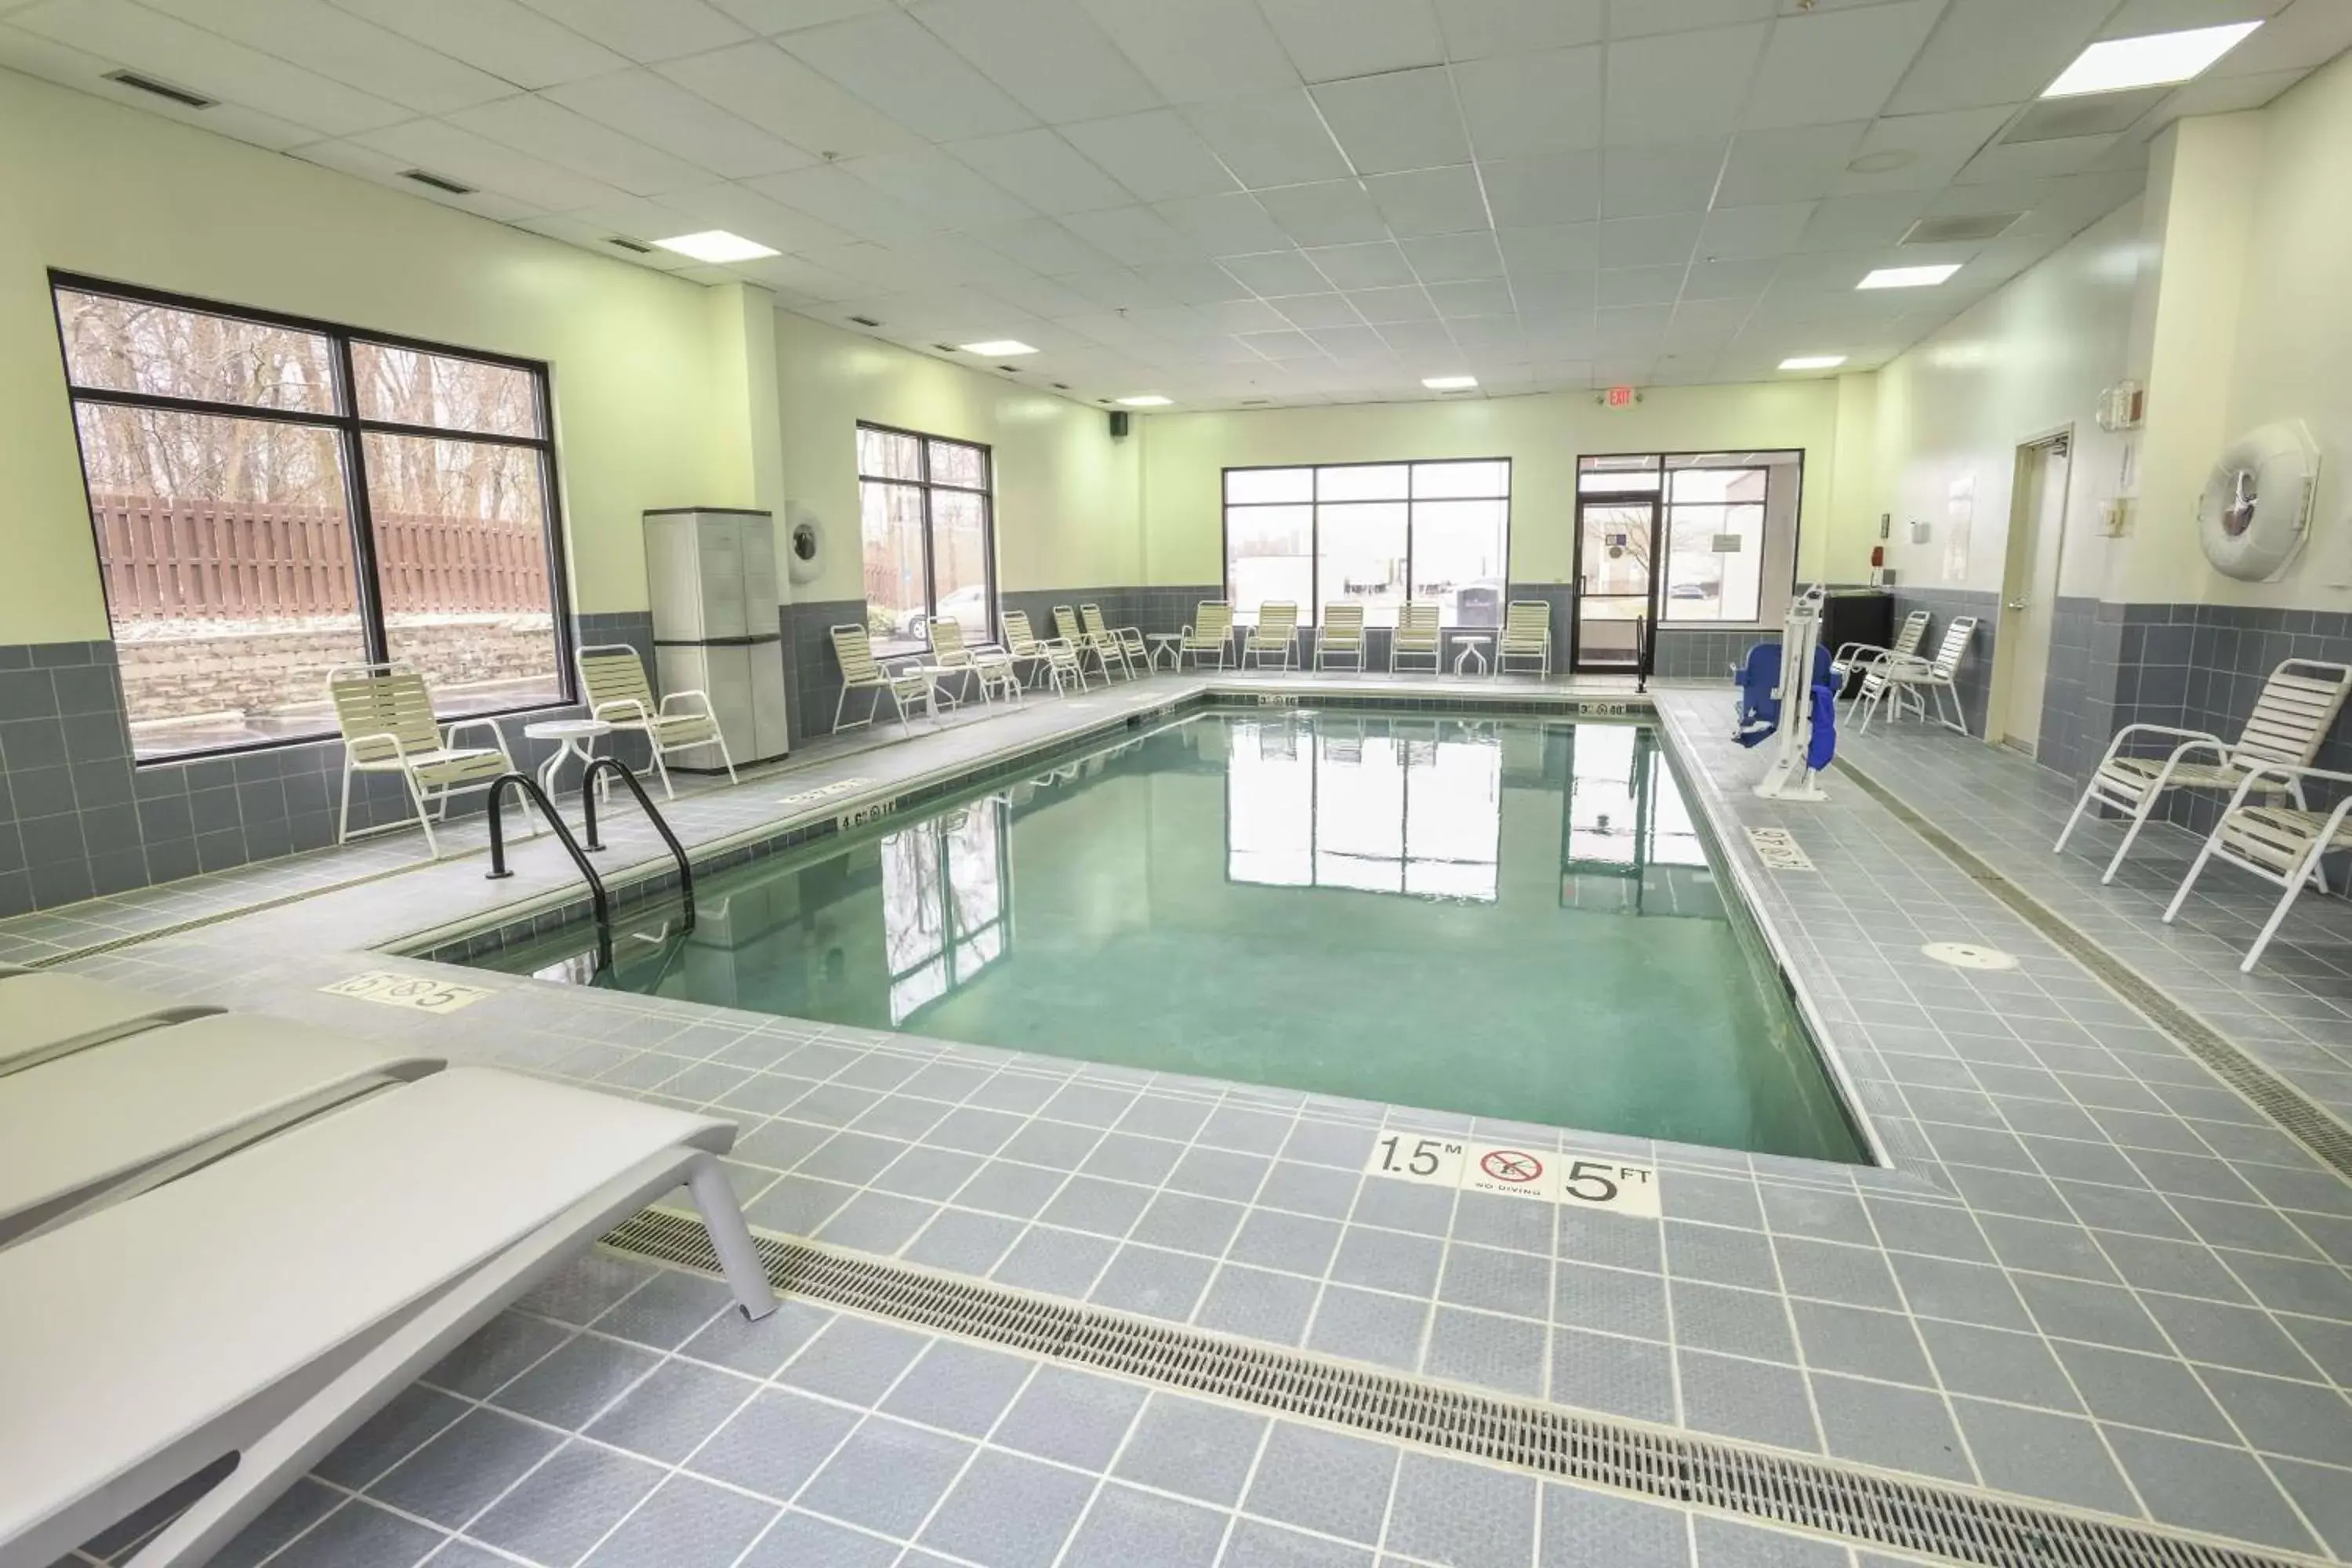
(576, 738)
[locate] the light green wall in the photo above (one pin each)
(1067, 504)
(636, 357)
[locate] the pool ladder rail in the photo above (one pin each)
(599, 900)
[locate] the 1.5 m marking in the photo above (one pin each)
(1587, 1181)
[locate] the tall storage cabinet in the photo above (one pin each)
(710, 573)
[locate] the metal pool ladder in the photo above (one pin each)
(599, 900)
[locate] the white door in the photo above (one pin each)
(2030, 589)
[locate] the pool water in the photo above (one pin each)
(1512, 919)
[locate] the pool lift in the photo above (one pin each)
(1801, 723)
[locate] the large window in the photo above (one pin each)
(928, 529)
(273, 498)
(1376, 533)
(1710, 510)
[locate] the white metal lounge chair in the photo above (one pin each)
(1063, 665)
(1275, 636)
(861, 672)
(268, 1304)
(1852, 656)
(951, 661)
(1341, 636)
(613, 680)
(1210, 633)
(44, 1014)
(1132, 649)
(2297, 707)
(1107, 650)
(1023, 645)
(1900, 679)
(987, 666)
(103, 1123)
(1527, 635)
(1417, 636)
(2283, 845)
(386, 714)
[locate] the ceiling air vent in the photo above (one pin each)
(1060, 386)
(183, 96)
(945, 348)
(438, 181)
(1008, 370)
(634, 246)
(865, 320)
(1954, 230)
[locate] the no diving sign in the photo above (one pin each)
(1511, 1171)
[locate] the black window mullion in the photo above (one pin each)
(368, 586)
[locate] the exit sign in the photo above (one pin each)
(1619, 397)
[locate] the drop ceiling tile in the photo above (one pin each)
(1335, 212)
(1523, 193)
(1277, 273)
(657, 110)
(1639, 285)
(1487, 297)
(1230, 224)
(1281, 344)
(1048, 54)
(1116, 288)
(1649, 242)
(1936, 145)
(646, 30)
(1194, 283)
(879, 268)
(1154, 154)
(2212, 94)
(1375, 266)
(2307, 34)
(804, 277)
(344, 49)
(768, 17)
(1996, 51)
(1516, 105)
(1475, 29)
(547, 130)
(474, 159)
(1770, 167)
(1555, 294)
(2036, 160)
(1197, 52)
(1355, 343)
(1425, 341)
(1728, 277)
(1850, 223)
(69, 67)
(1633, 329)
(504, 37)
(1043, 246)
(759, 83)
(1248, 316)
(743, 210)
(1043, 170)
(1269, 137)
(1558, 248)
(1707, 317)
(1771, 230)
(1327, 40)
(1664, 177)
(351, 158)
(831, 192)
(1313, 310)
(1405, 119)
(895, 65)
(1638, 18)
(1454, 257)
(1496, 339)
(130, 35)
(1429, 201)
(2137, 18)
(1136, 235)
(1679, 86)
(1836, 65)
(947, 191)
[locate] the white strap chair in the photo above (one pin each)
(1852, 656)
(1341, 634)
(384, 712)
(1418, 634)
(1106, 648)
(1063, 666)
(1276, 636)
(2283, 845)
(1527, 635)
(1023, 645)
(613, 680)
(2291, 719)
(1211, 632)
(1132, 649)
(861, 672)
(1902, 679)
(987, 665)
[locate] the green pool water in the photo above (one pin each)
(1512, 919)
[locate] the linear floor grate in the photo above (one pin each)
(1860, 1505)
(2300, 1116)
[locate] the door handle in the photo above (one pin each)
(2016, 605)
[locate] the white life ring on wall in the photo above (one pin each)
(2255, 513)
(804, 544)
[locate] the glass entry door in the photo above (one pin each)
(1616, 540)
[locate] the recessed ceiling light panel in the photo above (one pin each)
(1812, 362)
(2112, 65)
(1908, 277)
(1449, 383)
(1147, 400)
(998, 348)
(715, 245)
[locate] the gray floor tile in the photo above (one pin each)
(1128, 1157)
(1189, 1224)
(2037, 1454)
(886, 1477)
(1736, 1322)
(1008, 1512)
(1470, 1516)
(1852, 1276)
(1256, 1545)
(1323, 1481)
(1364, 1325)
(1402, 1205)
(2096, 1314)
(879, 1223)
(2292, 1285)
(1058, 1145)
(687, 1524)
(1582, 1526)
(296, 1509)
(853, 1359)
(509, 1343)
(1089, 1105)
(1388, 1260)
(1515, 1223)
(1090, 1203)
(1191, 1448)
(1749, 1399)
(1618, 1240)
(1220, 1173)
(963, 1243)
(774, 1443)
(1164, 1116)
(1005, 1188)
(855, 1158)
(2324, 1498)
(1720, 1257)
(797, 1540)
(923, 1171)
(2301, 1420)
(1623, 1377)
(1328, 1143)
(1615, 1301)
(1935, 1230)
(1058, 1262)
(360, 1532)
(2201, 1486)
(1258, 1304)
(1798, 1212)
(1997, 1365)
(1492, 1351)
(1311, 1189)
(2240, 1337)
(413, 1416)
(796, 1206)
(581, 1289)
(2143, 1391)
(565, 1507)
(450, 1478)
(758, 1349)
(1295, 1243)
(1154, 1283)
(962, 1387)
(1250, 1131)
(1126, 1527)
(1869, 1344)
(1967, 1292)
(669, 1413)
(973, 1130)
(1900, 1428)
(1496, 1281)
(1718, 1200)
(1076, 1418)
(1728, 1544)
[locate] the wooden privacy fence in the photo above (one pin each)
(167, 561)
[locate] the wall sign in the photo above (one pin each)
(421, 993)
(1588, 1181)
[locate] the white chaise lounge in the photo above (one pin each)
(44, 1014)
(267, 1305)
(1853, 655)
(2283, 845)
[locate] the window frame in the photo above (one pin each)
(1661, 495)
(924, 486)
(350, 430)
(1311, 613)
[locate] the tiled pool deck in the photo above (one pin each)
(2093, 1274)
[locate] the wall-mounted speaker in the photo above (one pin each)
(1118, 417)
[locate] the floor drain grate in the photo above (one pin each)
(1812, 1494)
(2303, 1119)
(1968, 955)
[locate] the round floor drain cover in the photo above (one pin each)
(1968, 955)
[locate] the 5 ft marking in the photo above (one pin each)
(1588, 1181)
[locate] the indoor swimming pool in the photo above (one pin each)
(1510, 918)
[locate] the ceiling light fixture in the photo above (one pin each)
(1908, 277)
(2112, 65)
(1812, 362)
(716, 244)
(1449, 383)
(1148, 400)
(998, 348)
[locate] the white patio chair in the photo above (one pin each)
(613, 680)
(1023, 645)
(2283, 845)
(952, 659)
(1852, 656)
(2297, 707)
(1063, 665)
(1132, 649)
(1418, 634)
(1107, 649)
(384, 712)
(1341, 634)
(1902, 679)
(1527, 635)
(988, 666)
(861, 672)
(1276, 636)
(1210, 632)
